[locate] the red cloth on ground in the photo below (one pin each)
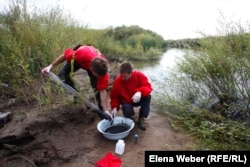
(109, 160)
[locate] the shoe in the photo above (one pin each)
(141, 124)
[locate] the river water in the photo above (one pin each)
(159, 71)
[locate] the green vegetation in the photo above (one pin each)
(30, 40)
(211, 90)
(210, 85)
(135, 43)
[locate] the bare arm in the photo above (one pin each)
(58, 60)
(104, 99)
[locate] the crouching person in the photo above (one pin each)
(131, 88)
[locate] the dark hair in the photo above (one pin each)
(100, 66)
(77, 46)
(126, 67)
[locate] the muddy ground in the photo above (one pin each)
(65, 135)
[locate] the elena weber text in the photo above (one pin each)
(178, 158)
(210, 158)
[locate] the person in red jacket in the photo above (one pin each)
(131, 88)
(93, 61)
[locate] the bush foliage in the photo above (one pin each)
(211, 90)
(31, 38)
(210, 84)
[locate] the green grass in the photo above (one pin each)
(211, 91)
(31, 40)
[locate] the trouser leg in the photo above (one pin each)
(145, 106)
(93, 83)
(64, 73)
(144, 111)
(128, 110)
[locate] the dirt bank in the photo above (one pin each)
(66, 136)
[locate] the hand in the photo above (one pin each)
(114, 112)
(109, 114)
(46, 70)
(137, 97)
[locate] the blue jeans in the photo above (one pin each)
(144, 103)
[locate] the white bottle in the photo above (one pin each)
(120, 147)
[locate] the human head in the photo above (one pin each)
(99, 66)
(126, 69)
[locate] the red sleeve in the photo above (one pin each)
(146, 87)
(103, 82)
(68, 54)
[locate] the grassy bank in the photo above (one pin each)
(211, 90)
(210, 84)
(31, 38)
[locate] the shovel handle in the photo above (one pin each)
(96, 109)
(105, 116)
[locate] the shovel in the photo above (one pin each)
(111, 122)
(64, 85)
(77, 94)
(96, 109)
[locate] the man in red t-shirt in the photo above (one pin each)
(93, 61)
(131, 88)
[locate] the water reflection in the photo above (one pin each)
(159, 71)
